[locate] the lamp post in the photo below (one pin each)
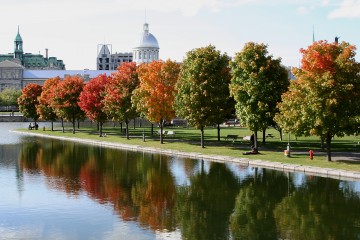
(288, 146)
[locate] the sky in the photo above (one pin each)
(72, 30)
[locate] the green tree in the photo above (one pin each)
(325, 98)
(28, 101)
(9, 96)
(257, 84)
(203, 88)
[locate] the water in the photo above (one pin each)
(62, 190)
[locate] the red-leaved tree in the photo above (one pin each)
(91, 100)
(117, 101)
(66, 98)
(28, 101)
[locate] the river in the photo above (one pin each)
(52, 189)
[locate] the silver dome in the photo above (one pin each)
(147, 40)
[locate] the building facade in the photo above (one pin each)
(146, 51)
(30, 60)
(14, 75)
(108, 61)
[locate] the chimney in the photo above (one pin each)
(47, 51)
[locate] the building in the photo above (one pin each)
(146, 51)
(30, 60)
(14, 75)
(148, 48)
(108, 61)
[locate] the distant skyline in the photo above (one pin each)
(71, 30)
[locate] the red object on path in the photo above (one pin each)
(311, 154)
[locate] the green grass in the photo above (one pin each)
(188, 140)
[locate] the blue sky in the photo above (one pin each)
(71, 30)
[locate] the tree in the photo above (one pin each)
(91, 100)
(325, 99)
(9, 96)
(119, 90)
(44, 109)
(154, 98)
(66, 98)
(257, 84)
(28, 101)
(203, 91)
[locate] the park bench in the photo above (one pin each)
(170, 133)
(231, 137)
(269, 135)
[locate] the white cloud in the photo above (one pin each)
(347, 9)
(303, 10)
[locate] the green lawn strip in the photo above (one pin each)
(188, 140)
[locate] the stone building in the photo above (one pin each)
(30, 60)
(14, 75)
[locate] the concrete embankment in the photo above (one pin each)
(285, 167)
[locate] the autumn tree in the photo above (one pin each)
(203, 88)
(325, 99)
(66, 98)
(257, 83)
(44, 109)
(91, 100)
(28, 101)
(154, 98)
(119, 90)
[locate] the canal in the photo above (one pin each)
(50, 189)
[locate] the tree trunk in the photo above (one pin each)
(255, 140)
(127, 129)
(73, 122)
(121, 128)
(328, 146)
(202, 137)
(97, 126)
(78, 124)
(152, 129)
(161, 131)
(218, 132)
(322, 143)
(281, 136)
(100, 124)
(264, 136)
(62, 125)
(52, 126)
(134, 123)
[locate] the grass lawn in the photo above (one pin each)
(188, 140)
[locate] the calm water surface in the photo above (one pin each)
(51, 189)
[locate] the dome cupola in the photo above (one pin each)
(148, 48)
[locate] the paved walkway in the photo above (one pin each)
(286, 167)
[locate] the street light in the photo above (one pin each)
(288, 146)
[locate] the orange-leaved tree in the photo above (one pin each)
(91, 100)
(325, 98)
(44, 109)
(66, 98)
(28, 101)
(154, 98)
(117, 101)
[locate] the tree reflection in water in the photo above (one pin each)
(216, 202)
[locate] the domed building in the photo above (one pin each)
(148, 48)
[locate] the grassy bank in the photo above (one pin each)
(188, 140)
